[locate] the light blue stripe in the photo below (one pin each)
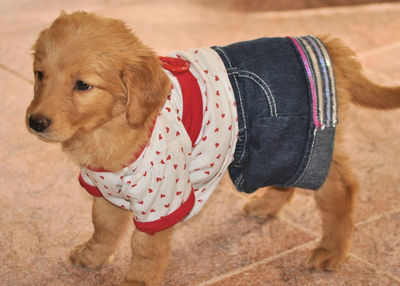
(328, 94)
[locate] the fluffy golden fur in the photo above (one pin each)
(125, 89)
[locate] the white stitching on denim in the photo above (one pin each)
(262, 84)
(309, 159)
(243, 117)
(225, 55)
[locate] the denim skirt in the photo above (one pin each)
(287, 110)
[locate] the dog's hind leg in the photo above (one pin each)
(110, 223)
(267, 202)
(336, 200)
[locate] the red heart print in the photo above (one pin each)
(121, 177)
(211, 165)
(145, 174)
(152, 210)
(158, 179)
(230, 128)
(150, 191)
(167, 129)
(134, 185)
(128, 197)
(162, 196)
(128, 182)
(168, 109)
(206, 71)
(207, 172)
(105, 187)
(178, 193)
(218, 93)
(223, 115)
(141, 202)
(204, 138)
(217, 105)
(219, 156)
(143, 213)
(175, 166)
(169, 157)
(158, 152)
(216, 130)
(216, 78)
(216, 145)
(160, 137)
(177, 180)
(101, 177)
(178, 133)
(162, 162)
(166, 206)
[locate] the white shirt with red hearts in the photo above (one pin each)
(173, 178)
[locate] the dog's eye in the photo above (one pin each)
(81, 85)
(39, 75)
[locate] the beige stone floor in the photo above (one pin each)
(44, 213)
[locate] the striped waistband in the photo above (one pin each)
(321, 79)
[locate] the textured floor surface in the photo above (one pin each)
(44, 212)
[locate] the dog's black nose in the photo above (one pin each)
(39, 123)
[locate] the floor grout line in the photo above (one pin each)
(376, 217)
(17, 74)
(255, 264)
(377, 269)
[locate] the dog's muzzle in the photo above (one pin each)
(39, 123)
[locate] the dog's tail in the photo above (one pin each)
(349, 73)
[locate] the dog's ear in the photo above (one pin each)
(146, 88)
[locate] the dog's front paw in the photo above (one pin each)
(91, 257)
(323, 259)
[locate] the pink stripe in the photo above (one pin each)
(312, 84)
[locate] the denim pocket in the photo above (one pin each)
(275, 151)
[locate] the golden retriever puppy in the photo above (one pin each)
(154, 135)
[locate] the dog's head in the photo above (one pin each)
(88, 70)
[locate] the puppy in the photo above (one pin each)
(154, 135)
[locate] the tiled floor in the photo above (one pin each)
(44, 212)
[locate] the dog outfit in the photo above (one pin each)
(264, 109)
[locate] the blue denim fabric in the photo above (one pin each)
(278, 142)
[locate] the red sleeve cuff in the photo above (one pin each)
(168, 221)
(94, 191)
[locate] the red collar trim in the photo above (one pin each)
(192, 117)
